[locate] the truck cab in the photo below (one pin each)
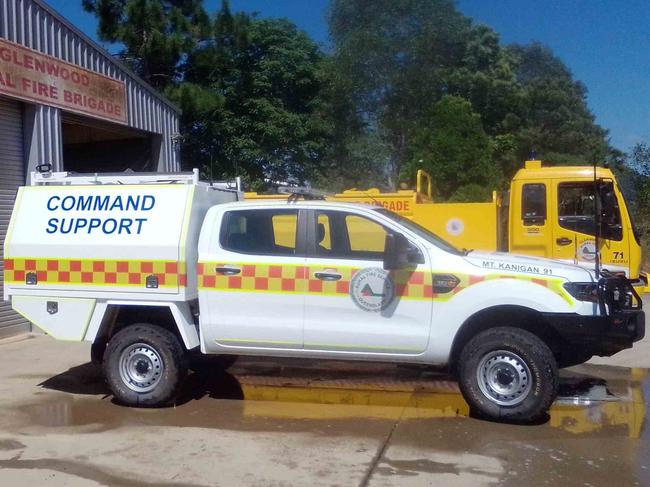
(552, 213)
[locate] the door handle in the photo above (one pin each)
(563, 241)
(327, 275)
(227, 270)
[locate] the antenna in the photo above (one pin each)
(211, 176)
(596, 222)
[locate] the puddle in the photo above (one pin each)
(285, 395)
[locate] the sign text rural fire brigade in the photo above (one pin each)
(32, 76)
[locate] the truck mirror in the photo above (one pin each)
(396, 252)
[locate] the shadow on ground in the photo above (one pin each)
(87, 380)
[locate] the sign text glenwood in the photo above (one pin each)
(33, 76)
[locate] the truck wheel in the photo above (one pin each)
(144, 365)
(508, 374)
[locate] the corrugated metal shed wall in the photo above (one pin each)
(12, 175)
(32, 24)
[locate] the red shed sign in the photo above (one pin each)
(32, 76)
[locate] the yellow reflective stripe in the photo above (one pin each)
(294, 279)
(95, 272)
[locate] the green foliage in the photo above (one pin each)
(452, 146)
(155, 33)
(408, 84)
(555, 118)
(638, 185)
(398, 59)
(248, 88)
(267, 76)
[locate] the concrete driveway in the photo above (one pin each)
(283, 422)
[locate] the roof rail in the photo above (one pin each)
(63, 178)
(295, 192)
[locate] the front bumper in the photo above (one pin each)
(598, 335)
(619, 322)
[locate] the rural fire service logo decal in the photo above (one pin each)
(587, 251)
(455, 227)
(372, 289)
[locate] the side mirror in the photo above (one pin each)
(396, 252)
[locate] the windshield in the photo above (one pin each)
(420, 231)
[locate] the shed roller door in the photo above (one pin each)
(12, 175)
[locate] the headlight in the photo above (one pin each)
(583, 291)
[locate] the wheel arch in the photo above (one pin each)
(175, 317)
(513, 316)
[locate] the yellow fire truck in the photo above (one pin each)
(548, 212)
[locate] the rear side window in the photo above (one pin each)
(263, 232)
(533, 204)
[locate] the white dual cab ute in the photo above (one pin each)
(154, 268)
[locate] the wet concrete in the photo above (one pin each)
(284, 422)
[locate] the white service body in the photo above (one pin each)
(84, 243)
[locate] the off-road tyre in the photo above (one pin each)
(97, 350)
(502, 353)
(136, 348)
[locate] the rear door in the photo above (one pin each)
(252, 281)
(351, 303)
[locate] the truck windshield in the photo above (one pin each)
(420, 231)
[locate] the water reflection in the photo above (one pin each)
(255, 393)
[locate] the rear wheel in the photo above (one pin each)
(508, 374)
(144, 365)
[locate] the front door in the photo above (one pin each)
(352, 304)
(252, 282)
(574, 229)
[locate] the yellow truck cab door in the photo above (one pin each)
(574, 226)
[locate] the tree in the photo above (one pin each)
(397, 59)
(393, 56)
(638, 184)
(248, 88)
(155, 33)
(258, 84)
(554, 116)
(452, 146)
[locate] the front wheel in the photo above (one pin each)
(144, 365)
(508, 374)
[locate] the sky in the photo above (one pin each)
(603, 42)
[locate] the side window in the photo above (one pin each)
(323, 233)
(284, 230)
(533, 204)
(265, 232)
(348, 236)
(575, 206)
(576, 209)
(366, 236)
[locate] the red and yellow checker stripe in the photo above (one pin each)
(95, 272)
(300, 279)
